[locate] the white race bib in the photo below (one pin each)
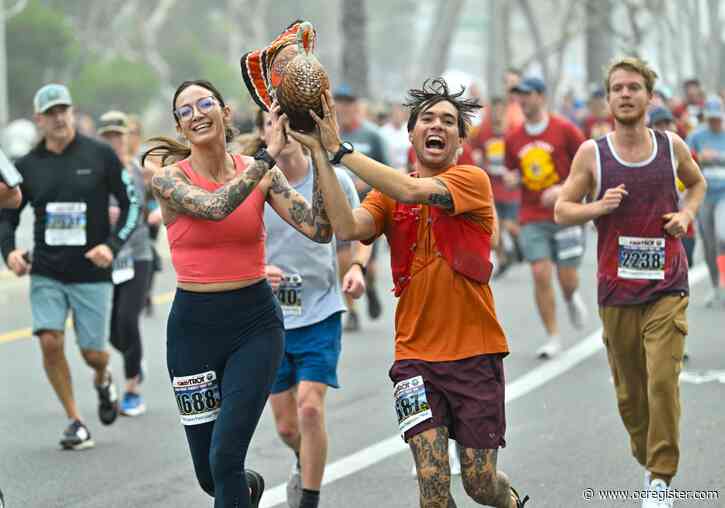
(198, 398)
(65, 224)
(641, 258)
(411, 403)
(289, 294)
(123, 269)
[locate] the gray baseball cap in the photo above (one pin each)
(51, 95)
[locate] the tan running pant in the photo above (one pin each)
(645, 344)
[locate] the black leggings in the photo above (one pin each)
(128, 301)
(239, 335)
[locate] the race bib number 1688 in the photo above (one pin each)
(198, 398)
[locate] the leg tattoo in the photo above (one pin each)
(481, 481)
(430, 451)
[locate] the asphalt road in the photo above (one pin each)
(564, 433)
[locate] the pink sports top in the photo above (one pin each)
(232, 249)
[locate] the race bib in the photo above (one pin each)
(123, 269)
(65, 224)
(641, 258)
(289, 295)
(198, 398)
(411, 403)
(569, 243)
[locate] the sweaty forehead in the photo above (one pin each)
(441, 108)
(191, 94)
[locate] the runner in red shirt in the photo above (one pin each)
(539, 154)
(488, 153)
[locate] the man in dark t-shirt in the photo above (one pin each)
(68, 179)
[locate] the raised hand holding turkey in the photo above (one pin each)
(327, 125)
(279, 134)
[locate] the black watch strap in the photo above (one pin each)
(345, 148)
(363, 269)
(263, 155)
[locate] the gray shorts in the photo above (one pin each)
(564, 245)
(90, 302)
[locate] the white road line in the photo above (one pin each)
(514, 390)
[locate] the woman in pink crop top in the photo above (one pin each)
(225, 334)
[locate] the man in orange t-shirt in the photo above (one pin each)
(449, 346)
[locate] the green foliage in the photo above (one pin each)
(116, 83)
(40, 45)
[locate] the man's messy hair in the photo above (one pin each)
(435, 91)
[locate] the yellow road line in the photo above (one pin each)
(24, 333)
(27, 333)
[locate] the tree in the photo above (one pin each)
(355, 46)
(37, 59)
(114, 84)
(437, 46)
(598, 42)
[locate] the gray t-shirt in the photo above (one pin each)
(310, 291)
(140, 242)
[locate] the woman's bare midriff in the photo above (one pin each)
(216, 287)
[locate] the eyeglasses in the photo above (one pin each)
(203, 105)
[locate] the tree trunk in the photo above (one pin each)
(355, 46)
(598, 42)
(436, 47)
(508, 50)
(712, 80)
(151, 29)
(691, 10)
(537, 37)
(496, 51)
(4, 113)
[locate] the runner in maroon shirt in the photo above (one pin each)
(629, 178)
(539, 154)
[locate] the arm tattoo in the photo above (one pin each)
(312, 221)
(441, 198)
(172, 186)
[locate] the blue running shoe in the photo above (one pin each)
(132, 404)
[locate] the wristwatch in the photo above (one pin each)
(263, 155)
(362, 267)
(345, 148)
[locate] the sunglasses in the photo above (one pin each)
(203, 105)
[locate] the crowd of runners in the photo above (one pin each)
(274, 236)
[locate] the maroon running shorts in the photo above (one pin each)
(466, 396)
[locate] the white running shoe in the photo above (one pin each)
(658, 495)
(578, 313)
(647, 479)
(550, 349)
(294, 487)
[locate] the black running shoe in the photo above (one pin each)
(76, 437)
(374, 308)
(256, 487)
(519, 502)
(107, 402)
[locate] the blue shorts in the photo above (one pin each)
(90, 302)
(311, 353)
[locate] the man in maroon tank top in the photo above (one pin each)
(628, 177)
